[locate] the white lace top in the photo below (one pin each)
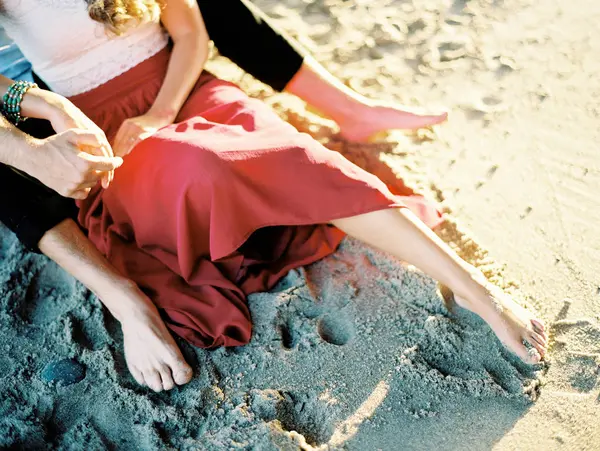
(71, 52)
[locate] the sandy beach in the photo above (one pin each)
(357, 351)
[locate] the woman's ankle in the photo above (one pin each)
(475, 293)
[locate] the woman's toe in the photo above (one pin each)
(539, 338)
(166, 377)
(152, 378)
(539, 325)
(540, 347)
(529, 354)
(438, 118)
(534, 356)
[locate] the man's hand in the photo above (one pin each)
(60, 162)
(64, 115)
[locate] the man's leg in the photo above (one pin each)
(29, 209)
(358, 117)
(152, 355)
(243, 33)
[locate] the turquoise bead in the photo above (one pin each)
(11, 101)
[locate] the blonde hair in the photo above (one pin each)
(119, 15)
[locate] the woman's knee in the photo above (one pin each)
(195, 166)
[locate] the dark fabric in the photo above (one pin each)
(242, 33)
(27, 207)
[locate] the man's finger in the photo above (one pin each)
(87, 185)
(93, 177)
(106, 179)
(94, 143)
(110, 175)
(85, 137)
(82, 194)
(99, 151)
(102, 164)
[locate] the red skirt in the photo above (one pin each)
(221, 204)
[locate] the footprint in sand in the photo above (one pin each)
(86, 433)
(308, 415)
(584, 370)
(577, 350)
(89, 333)
(446, 51)
(290, 336)
(51, 293)
(334, 328)
(337, 329)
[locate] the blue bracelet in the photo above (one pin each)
(11, 102)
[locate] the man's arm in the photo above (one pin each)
(82, 159)
(57, 161)
(15, 147)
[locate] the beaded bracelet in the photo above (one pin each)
(11, 102)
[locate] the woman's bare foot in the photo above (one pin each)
(370, 118)
(152, 356)
(518, 329)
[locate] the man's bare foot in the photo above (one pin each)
(367, 119)
(518, 329)
(152, 356)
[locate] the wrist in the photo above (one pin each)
(165, 115)
(42, 104)
(24, 153)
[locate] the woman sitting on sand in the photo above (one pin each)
(217, 197)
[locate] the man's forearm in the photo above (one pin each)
(15, 146)
(75, 253)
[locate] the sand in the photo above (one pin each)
(357, 351)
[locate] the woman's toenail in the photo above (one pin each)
(534, 354)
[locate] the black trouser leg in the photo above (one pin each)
(243, 34)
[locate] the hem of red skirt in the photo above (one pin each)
(216, 256)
